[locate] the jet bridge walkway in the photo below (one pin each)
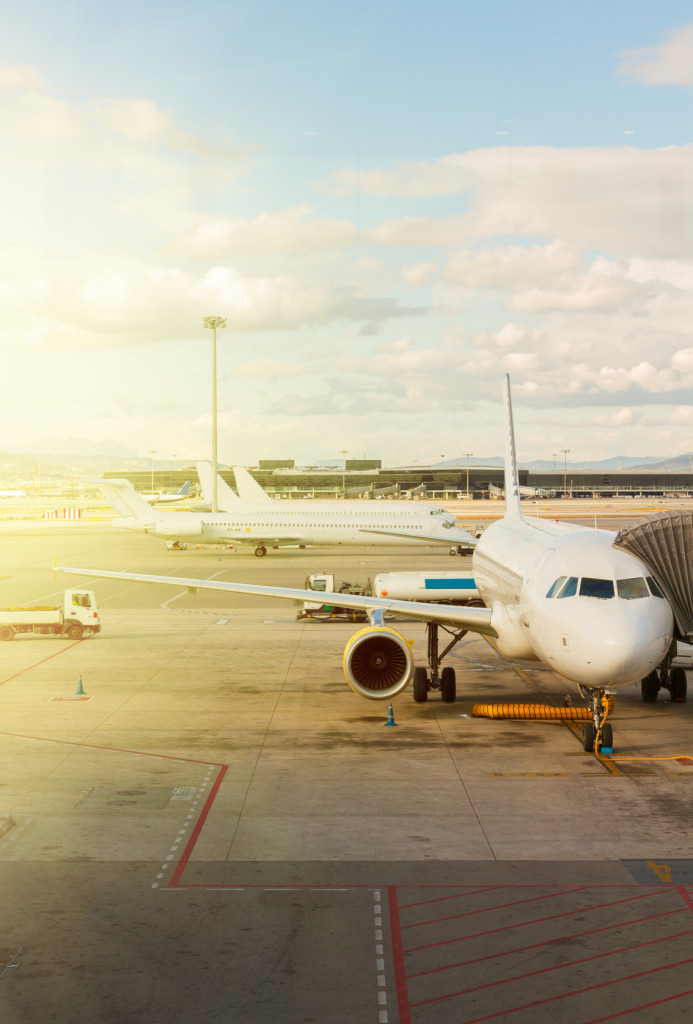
(664, 542)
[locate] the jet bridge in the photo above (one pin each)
(664, 542)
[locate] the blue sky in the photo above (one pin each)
(392, 203)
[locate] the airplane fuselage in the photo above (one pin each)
(572, 600)
(278, 525)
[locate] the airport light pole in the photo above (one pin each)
(212, 322)
(345, 452)
(152, 452)
(566, 453)
(468, 455)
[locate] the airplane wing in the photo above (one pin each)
(453, 536)
(476, 620)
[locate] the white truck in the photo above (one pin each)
(440, 586)
(77, 616)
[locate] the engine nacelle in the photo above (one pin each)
(378, 662)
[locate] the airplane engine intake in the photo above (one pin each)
(378, 662)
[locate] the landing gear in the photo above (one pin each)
(444, 680)
(598, 730)
(260, 552)
(665, 678)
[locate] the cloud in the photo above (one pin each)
(623, 417)
(669, 63)
(286, 231)
(626, 201)
(273, 369)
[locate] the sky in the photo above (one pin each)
(392, 203)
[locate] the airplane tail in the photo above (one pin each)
(513, 508)
(184, 489)
(123, 497)
(248, 487)
(226, 498)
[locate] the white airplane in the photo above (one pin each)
(250, 490)
(278, 525)
(158, 498)
(553, 592)
(12, 494)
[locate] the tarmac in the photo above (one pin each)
(218, 830)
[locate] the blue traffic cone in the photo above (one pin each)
(390, 716)
(79, 692)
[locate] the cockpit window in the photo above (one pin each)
(569, 588)
(591, 587)
(555, 585)
(654, 588)
(630, 589)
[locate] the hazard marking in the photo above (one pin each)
(81, 697)
(662, 871)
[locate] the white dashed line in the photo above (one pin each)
(379, 959)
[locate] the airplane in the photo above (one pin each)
(279, 525)
(12, 494)
(250, 490)
(157, 498)
(553, 592)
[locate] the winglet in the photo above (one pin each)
(513, 508)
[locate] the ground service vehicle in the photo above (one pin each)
(77, 616)
(441, 587)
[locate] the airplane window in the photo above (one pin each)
(630, 589)
(555, 585)
(590, 587)
(654, 587)
(569, 588)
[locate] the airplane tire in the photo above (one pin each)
(7, 632)
(260, 552)
(420, 685)
(588, 735)
(606, 737)
(448, 685)
(678, 685)
(649, 687)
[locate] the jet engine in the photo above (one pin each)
(378, 662)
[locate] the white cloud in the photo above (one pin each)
(682, 415)
(668, 63)
(621, 418)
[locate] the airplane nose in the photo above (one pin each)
(624, 646)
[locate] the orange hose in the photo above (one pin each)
(537, 711)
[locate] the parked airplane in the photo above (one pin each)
(555, 593)
(280, 525)
(158, 498)
(250, 490)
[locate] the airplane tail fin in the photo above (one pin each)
(226, 498)
(248, 487)
(123, 497)
(513, 508)
(184, 489)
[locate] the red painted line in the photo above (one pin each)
(496, 906)
(581, 991)
(537, 920)
(643, 1006)
(547, 942)
(455, 895)
(114, 750)
(195, 835)
(685, 896)
(398, 957)
(553, 967)
(42, 662)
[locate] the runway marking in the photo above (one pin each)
(36, 664)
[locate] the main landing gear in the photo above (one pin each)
(444, 680)
(597, 735)
(665, 678)
(261, 551)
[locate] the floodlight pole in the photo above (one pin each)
(212, 322)
(345, 452)
(469, 455)
(566, 453)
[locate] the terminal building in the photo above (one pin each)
(367, 477)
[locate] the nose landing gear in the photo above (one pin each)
(597, 735)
